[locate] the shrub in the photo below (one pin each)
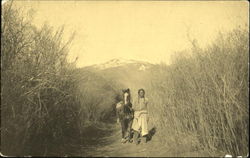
(204, 94)
(39, 110)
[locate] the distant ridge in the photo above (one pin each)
(116, 62)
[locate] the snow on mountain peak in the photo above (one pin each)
(119, 62)
(142, 68)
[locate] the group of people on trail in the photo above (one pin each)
(133, 117)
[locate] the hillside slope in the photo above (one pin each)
(125, 73)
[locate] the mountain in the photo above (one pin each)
(118, 62)
(100, 84)
(122, 73)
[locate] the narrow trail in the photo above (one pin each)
(105, 142)
(110, 146)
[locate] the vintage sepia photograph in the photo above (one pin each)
(123, 78)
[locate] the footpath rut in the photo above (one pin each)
(110, 146)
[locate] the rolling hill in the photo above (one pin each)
(124, 73)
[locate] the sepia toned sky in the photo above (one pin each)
(140, 30)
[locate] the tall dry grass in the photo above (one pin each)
(202, 98)
(38, 107)
(43, 112)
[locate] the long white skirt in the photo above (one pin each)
(140, 122)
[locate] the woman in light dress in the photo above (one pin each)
(140, 122)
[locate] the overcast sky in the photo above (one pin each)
(140, 30)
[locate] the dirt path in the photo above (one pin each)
(110, 146)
